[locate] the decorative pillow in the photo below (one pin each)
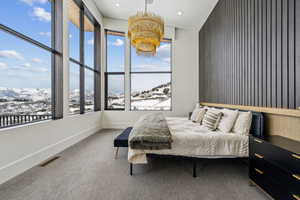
(198, 115)
(243, 123)
(212, 118)
(228, 119)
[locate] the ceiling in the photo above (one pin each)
(195, 12)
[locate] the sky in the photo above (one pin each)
(23, 65)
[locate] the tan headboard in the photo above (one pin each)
(284, 122)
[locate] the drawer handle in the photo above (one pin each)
(296, 196)
(296, 156)
(259, 156)
(296, 176)
(258, 141)
(259, 171)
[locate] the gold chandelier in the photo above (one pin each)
(145, 31)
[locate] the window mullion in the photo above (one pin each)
(97, 64)
(82, 78)
(127, 74)
(57, 60)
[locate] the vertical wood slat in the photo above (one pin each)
(297, 53)
(269, 55)
(279, 53)
(285, 67)
(273, 54)
(291, 53)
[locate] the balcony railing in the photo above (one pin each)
(13, 120)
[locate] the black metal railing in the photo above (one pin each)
(13, 120)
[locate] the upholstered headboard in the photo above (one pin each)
(257, 126)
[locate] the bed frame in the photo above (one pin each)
(257, 130)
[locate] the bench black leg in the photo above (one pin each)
(194, 168)
(130, 169)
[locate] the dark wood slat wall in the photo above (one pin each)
(249, 54)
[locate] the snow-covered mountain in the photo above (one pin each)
(156, 98)
(28, 94)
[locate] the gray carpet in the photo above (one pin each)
(87, 171)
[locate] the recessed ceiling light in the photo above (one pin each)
(179, 13)
(117, 5)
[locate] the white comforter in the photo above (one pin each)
(192, 140)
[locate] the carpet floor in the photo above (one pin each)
(88, 171)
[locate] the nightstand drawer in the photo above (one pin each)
(291, 181)
(270, 186)
(285, 159)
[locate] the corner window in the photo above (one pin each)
(151, 76)
(114, 76)
(30, 61)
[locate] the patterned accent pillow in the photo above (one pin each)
(212, 118)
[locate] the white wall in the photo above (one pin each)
(184, 76)
(24, 147)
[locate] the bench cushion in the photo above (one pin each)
(122, 139)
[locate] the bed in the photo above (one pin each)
(194, 141)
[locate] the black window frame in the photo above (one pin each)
(154, 72)
(107, 74)
(55, 49)
(81, 62)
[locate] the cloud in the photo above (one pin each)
(36, 60)
(26, 65)
(31, 2)
(163, 53)
(3, 65)
(47, 34)
(118, 43)
(90, 42)
(11, 54)
(41, 14)
(70, 36)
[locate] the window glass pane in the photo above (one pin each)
(25, 78)
(29, 17)
(151, 92)
(74, 30)
(160, 62)
(88, 43)
(115, 45)
(74, 91)
(89, 90)
(115, 92)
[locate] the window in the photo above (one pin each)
(84, 44)
(30, 61)
(114, 76)
(151, 79)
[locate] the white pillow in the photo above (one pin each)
(198, 115)
(243, 123)
(228, 119)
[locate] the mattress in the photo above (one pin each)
(192, 140)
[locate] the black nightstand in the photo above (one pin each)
(274, 166)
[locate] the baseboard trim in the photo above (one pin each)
(21, 165)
